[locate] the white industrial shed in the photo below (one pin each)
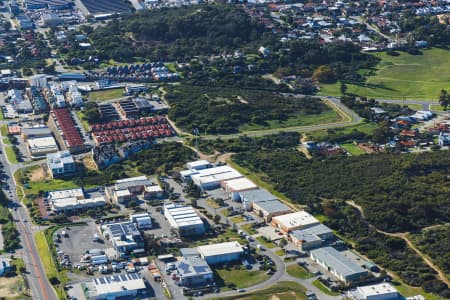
(221, 253)
(381, 291)
(115, 287)
(212, 178)
(184, 219)
(293, 221)
(198, 165)
(235, 186)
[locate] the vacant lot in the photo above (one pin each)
(298, 272)
(241, 278)
(410, 76)
(282, 290)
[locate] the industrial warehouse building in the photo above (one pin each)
(269, 209)
(221, 253)
(293, 221)
(124, 236)
(312, 237)
(41, 146)
(381, 291)
(60, 163)
(115, 287)
(199, 165)
(192, 269)
(248, 198)
(72, 200)
(211, 178)
(127, 189)
(339, 265)
(236, 186)
(184, 219)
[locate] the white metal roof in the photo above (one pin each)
(76, 193)
(117, 283)
(240, 184)
(220, 249)
(295, 220)
(376, 289)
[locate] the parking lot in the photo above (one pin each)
(80, 240)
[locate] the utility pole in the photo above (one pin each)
(197, 134)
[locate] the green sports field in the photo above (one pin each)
(410, 76)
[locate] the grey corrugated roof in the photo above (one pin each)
(257, 195)
(335, 260)
(272, 206)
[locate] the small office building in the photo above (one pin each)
(221, 253)
(339, 265)
(124, 236)
(41, 146)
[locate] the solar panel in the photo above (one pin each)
(116, 278)
(185, 268)
(201, 269)
(108, 279)
(123, 277)
(102, 280)
(134, 276)
(95, 280)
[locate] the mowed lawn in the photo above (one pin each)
(104, 95)
(409, 76)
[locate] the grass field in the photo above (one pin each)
(11, 155)
(280, 252)
(242, 277)
(323, 288)
(298, 272)
(264, 243)
(248, 228)
(104, 95)
(353, 149)
(284, 290)
(82, 118)
(367, 128)
(4, 130)
(330, 116)
(237, 219)
(437, 107)
(410, 76)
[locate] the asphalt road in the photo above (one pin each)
(39, 285)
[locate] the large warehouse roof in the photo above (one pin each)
(376, 290)
(272, 206)
(179, 216)
(220, 249)
(336, 261)
(257, 196)
(240, 184)
(117, 283)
